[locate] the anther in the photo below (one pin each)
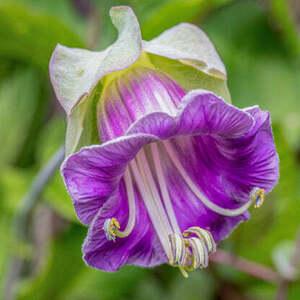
(191, 252)
(178, 250)
(257, 195)
(204, 235)
(111, 227)
(199, 257)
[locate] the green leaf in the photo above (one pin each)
(293, 291)
(199, 285)
(94, 284)
(63, 10)
(279, 216)
(63, 265)
(149, 289)
(281, 13)
(31, 38)
(51, 139)
(259, 69)
(260, 290)
(170, 13)
(6, 249)
(14, 183)
(19, 97)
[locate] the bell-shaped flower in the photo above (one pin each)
(173, 167)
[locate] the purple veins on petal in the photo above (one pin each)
(136, 93)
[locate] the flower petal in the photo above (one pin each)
(190, 78)
(93, 174)
(136, 93)
(188, 43)
(200, 112)
(75, 72)
(188, 208)
(141, 247)
(225, 170)
(224, 158)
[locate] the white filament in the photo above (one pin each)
(214, 207)
(164, 189)
(131, 205)
(152, 210)
(146, 171)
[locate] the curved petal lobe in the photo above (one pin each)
(75, 72)
(93, 174)
(188, 43)
(141, 247)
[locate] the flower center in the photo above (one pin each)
(189, 249)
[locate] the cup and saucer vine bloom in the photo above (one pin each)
(160, 165)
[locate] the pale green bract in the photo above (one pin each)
(184, 52)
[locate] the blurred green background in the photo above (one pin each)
(260, 46)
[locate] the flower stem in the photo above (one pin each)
(241, 264)
(22, 217)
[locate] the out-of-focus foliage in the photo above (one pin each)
(166, 14)
(283, 20)
(31, 37)
(262, 69)
(18, 101)
(260, 46)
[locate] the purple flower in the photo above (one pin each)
(177, 168)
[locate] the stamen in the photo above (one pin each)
(200, 254)
(111, 226)
(214, 207)
(163, 188)
(147, 175)
(257, 195)
(154, 215)
(179, 251)
(191, 253)
(184, 251)
(204, 235)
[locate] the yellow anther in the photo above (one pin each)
(257, 195)
(114, 226)
(191, 252)
(186, 241)
(111, 228)
(203, 235)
